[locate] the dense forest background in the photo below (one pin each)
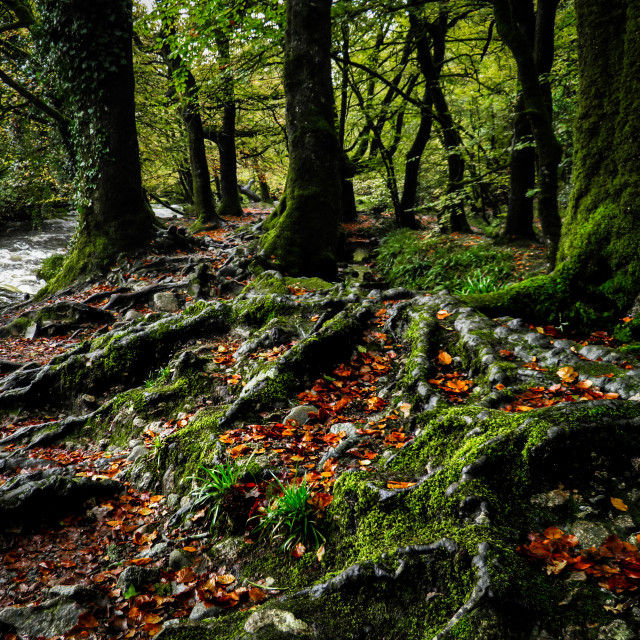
(346, 341)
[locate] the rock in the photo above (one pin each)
(31, 331)
(283, 621)
(166, 301)
(158, 549)
(179, 559)
(589, 533)
(300, 414)
(348, 427)
(202, 612)
(137, 577)
(227, 551)
(617, 630)
(132, 314)
(137, 452)
(53, 617)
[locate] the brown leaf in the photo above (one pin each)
(299, 550)
(257, 595)
(225, 579)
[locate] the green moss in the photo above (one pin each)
(51, 266)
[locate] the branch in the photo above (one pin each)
(33, 99)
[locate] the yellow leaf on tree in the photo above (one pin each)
(619, 505)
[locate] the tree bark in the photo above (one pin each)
(230, 197)
(513, 31)
(597, 277)
(303, 231)
(114, 216)
(522, 178)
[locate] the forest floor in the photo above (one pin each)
(352, 407)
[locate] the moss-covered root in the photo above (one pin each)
(311, 355)
(130, 354)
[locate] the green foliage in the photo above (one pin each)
(161, 377)
(479, 282)
(407, 259)
(217, 483)
(290, 516)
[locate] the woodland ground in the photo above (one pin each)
(415, 394)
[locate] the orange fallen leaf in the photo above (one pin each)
(225, 579)
(442, 314)
(619, 504)
(444, 358)
(299, 550)
(320, 553)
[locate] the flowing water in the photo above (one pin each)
(22, 250)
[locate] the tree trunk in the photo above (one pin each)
(412, 166)
(114, 216)
(303, 231)
(597, 277)
(230, 197)
(536, 100)
(519, 223)
(601, 240)
(201, 195)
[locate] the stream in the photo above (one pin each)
(23, 249)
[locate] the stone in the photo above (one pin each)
(166, 301)
(300, 414)
(179, 559)
(53, 617)
(80, 593)
(137, 577)
(137, 452)
(348, 427)
(132, 314)
(617, 630)
(202, 612)
(31, 331)
(227, 551)
(589, 533)
(283, 621)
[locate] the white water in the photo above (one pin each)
(22, 250)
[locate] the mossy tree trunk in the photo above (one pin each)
(302, 233)
(229, 195)
(89, 46)
(533, 59)
(601, 240)
(597, 277)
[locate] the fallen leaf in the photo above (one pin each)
(405, 409)
(320, 553)
(299, 550)
(619, 504)
(567, 374)
(225, 579)
(444, 358)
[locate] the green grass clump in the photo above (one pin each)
(290, 516)
(216, 485)
(408, 259)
